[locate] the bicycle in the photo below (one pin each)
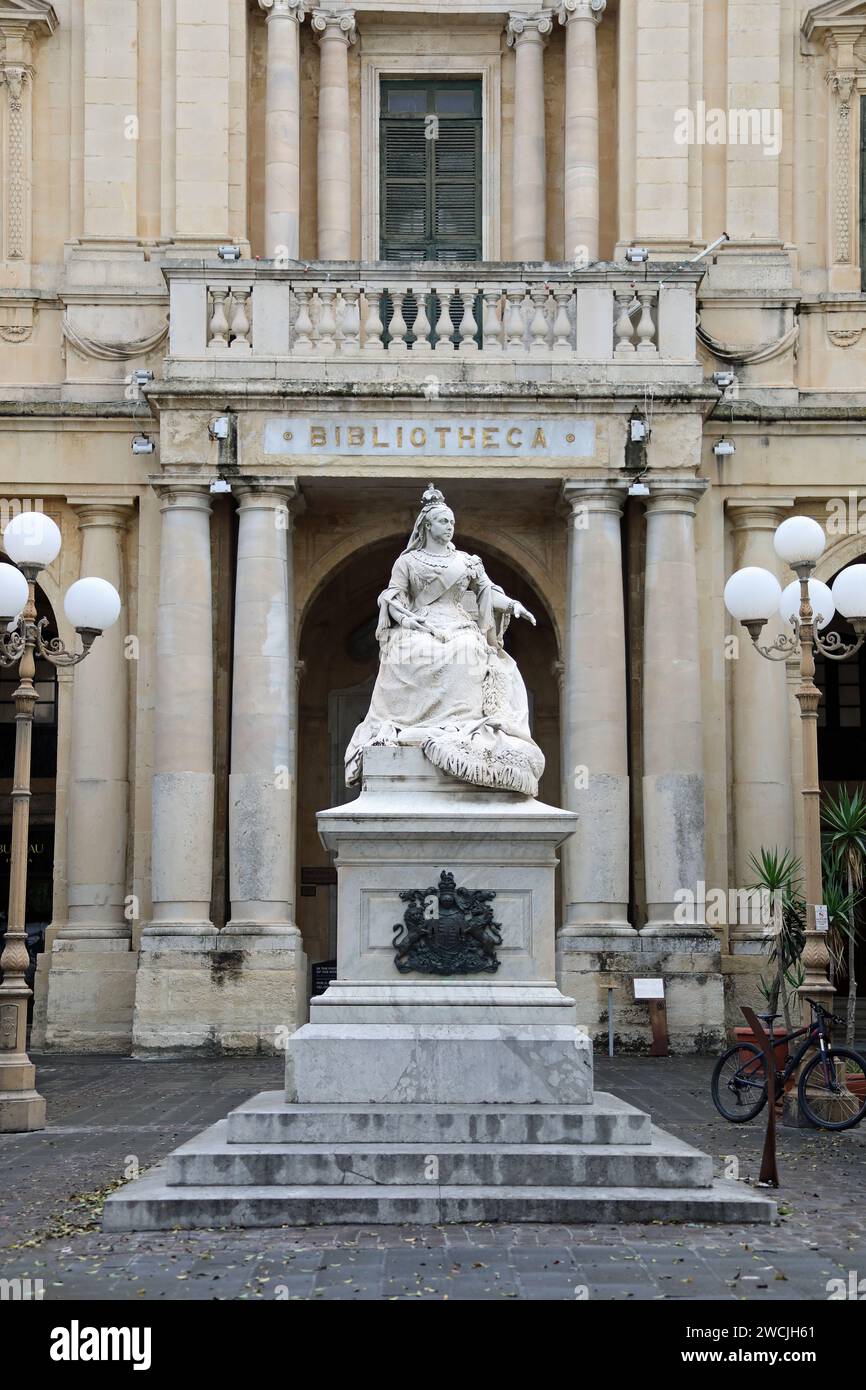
(739, 1083)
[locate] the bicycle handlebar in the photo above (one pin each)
(819, 1009)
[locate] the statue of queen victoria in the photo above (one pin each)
(445, 680)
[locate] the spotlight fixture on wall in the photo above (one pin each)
(724, 380)
(142, 444)
(219, 428)
(220, 485)
(638, 489)
(141, 376)
(637, 255)
(713, 246)
(638, 430)
(229, 253)
(723, 448)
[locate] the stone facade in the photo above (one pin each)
(137, 137)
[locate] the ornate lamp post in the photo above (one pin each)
(752, 596)
(32, 541)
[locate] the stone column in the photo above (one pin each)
(595, 860)
(283, 127)
(526, 33)
(183, 780)
(763, 810)
(336, 30)
(264, 705)
(98, 788)
(581, 19)
(91, 980)
(673, 782)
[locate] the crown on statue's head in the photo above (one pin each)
(432, 497)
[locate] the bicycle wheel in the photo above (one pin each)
(823, 1097)
(739, 1084)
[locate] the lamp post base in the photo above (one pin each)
(22, 1111)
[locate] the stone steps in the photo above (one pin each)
(267, 1119)
(210, 1160)
(150, 1204)
(276, 1164)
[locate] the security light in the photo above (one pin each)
(220, 485)
(724, 379)
(638, 430)
(637, 255)
(219, 428)
(229, 253)
(142, 444)
(723, 448)
(141, 376)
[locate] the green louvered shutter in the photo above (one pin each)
(430, 187)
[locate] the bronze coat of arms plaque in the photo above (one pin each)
(447, 931)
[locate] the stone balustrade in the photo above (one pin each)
(454, 315)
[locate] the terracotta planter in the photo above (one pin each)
(855, 1082)
(746, 1035)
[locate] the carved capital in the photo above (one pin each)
(842, 84)
(337, 21)
(285, 9)
(581, 9)
(528, 27)
(15, 76)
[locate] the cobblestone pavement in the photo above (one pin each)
(108, 1113)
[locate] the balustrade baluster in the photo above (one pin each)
(397, 326)
(646, 328)
(493, 327)
(538, 326)
(303, 343)
(562, 322)
(219, 324)
(515, 325)
(468, 326)
(373, 326)
(444, 325)
(327, 329)
(240, 319)
(624, 330)
(351, 326)
(422, 327)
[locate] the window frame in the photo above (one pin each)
(389, 65)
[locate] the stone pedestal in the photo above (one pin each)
(503, 1037)
(454, 1098)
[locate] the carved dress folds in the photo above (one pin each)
(452, 688)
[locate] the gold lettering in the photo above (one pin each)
(399, 436)
(318, 436)
(518, 442)
(354, 436)
(487, 439)
(539, 442)
(337, 435)
(441, 430)
(377, 442)
(418, 437)
(466, 437)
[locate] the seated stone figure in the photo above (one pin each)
(445, 680)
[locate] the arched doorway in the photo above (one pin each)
(842, 748)
(340, 656)
(43, 785)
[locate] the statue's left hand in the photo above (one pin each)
(519, 611)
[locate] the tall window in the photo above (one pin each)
(431, 165)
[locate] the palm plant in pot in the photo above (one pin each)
(777, 874)
(844, 821)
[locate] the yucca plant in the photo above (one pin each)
(840, 904)
(844, 819)
(778, 872)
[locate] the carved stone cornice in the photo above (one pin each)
(28, 19)
(341, 21)
(581, 9)
(837, 24)
(528, 26)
